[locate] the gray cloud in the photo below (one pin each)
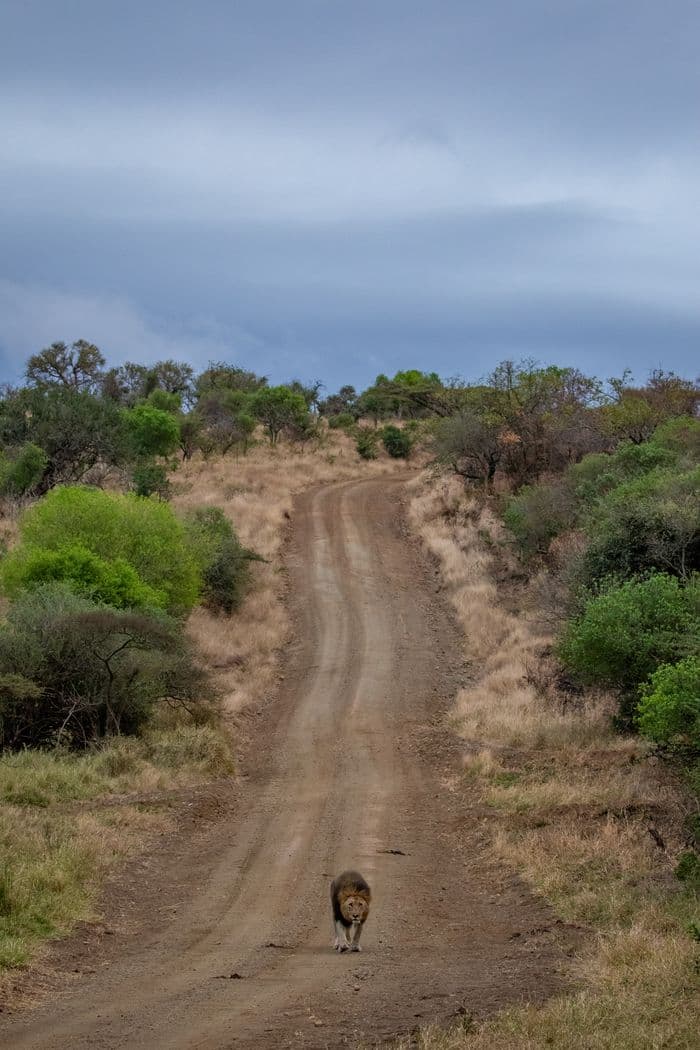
(331, 189)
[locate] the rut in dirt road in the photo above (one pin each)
(349, 767)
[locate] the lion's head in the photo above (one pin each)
(354, 909)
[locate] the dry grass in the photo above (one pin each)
(502, 707)
(53, 856)
(573, 805)
(256, 491)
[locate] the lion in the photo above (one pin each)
(350, 899)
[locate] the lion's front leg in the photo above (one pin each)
(355, 937)
(341, 941)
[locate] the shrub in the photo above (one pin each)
(151, 431)
(366, 443)
(626, 632)
(223, 561)
(165, 401)
(151, 479)
(73, 672)
(144, 533)
(681, 436)
(537, 514)
(651, 522)
(114, 583)
(343, 421)
(688, 870)
(21, 473)
(598, 473)
(397, 442)
(669, 711)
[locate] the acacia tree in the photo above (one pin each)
(471, 445)
(344, 401)
(221, 376)
(634, 413)
(410, 393)
(547, 416)
(75, 429)
(77, 368)
(278, 407)
(224, 419)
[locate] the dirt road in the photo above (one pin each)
(351, 765)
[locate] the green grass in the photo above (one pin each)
(53, 850)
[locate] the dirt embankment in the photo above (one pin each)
(227, 942)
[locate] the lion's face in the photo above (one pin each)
(354, 909)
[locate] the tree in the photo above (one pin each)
(75, 430)
(128, 384)
(345, 401)
(72, 672)
(633, 413)
(79, 368)
(151, 432)
(224, 419)
(547, 414)
(278, 407)
(131, 382)
(471, 444)
(309, 391)
(410, 393)
(221, 376)
(174, 377)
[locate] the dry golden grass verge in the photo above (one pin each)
(54, 855)
(256, 492)
(587, 817)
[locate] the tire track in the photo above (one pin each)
(353, 754)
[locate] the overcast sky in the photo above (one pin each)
(334, 188)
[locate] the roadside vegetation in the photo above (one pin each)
(143, 511)
(137, 617)
(572, 565)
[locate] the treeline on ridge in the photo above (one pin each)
(598, 481)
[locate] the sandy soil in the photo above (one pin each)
(221, 937)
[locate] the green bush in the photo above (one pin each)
(223, 561)
(342, 421)
(681, 436)
(688, 869)
(114, 583)
(366, 443)
(625, 633)
(73, 672)
(669, 711)
(165, 401)
(22, 472)
(144, 533)
(151, 479)
(151, 431)
(537, 514)
(599, 473)
(397, 442)
(651, 522)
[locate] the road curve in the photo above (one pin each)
(350, 766)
